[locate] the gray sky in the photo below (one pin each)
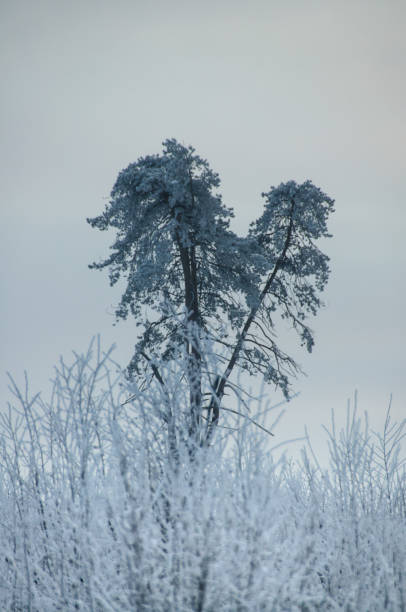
(267, 91)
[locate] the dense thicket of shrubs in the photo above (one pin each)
(100, 513)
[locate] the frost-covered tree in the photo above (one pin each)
(190, 278)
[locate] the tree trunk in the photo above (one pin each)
(191, 331)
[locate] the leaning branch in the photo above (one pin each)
(153, 368)
(218, 391)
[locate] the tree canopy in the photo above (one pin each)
(190, 278)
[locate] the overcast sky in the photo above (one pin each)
(267, 91)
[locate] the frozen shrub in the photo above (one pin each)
(103, 508)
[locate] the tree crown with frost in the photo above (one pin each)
(189, 277)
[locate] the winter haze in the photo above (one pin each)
(267, 92)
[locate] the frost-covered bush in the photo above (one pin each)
(103, 508)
